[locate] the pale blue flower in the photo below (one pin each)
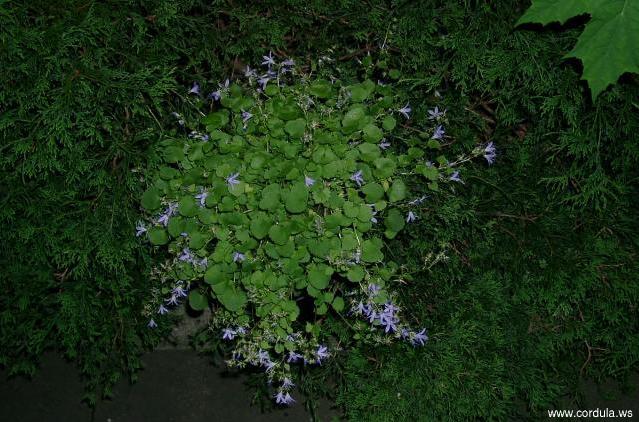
(238, 257)
(418, 201)
(390, 308)
(246, 116)
(179, 291)
(411, 217)
(439, 132)
(308, 181)
(248, 72)
(173, 300)
(405, 111)
(293, 357)
(152, 324)
(228, 334)
(287, 383)
(455, 177)
(321, 353)
(435, 113)
(232, 179)
(202, 197)
(269, 365)
(360, 308)
(373, 289)
(388, 321)
(372, 315)
(357, 178)
(263, 80)
(186, 255)
(140, 229)
(284, 398)
(490, 153)
(170, 210)
(162, 310)
(420, 338)
(384, 144)
(215, 95)
(268, 60)
(263, 356)
(195, 89)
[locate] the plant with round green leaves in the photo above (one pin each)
(284, 200)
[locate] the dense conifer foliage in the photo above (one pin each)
(535, 286)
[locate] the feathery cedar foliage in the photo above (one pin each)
(543, 244)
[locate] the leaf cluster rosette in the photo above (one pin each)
(285, 198)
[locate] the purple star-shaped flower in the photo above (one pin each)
(490, 153)
(372, 315)
(284, 398)
(390, 308)
(195, 89)
(173, 300)
(152, 324)
(420, 338)
(228, 334)
(162, 310)
(455, 177)
(411, 217)
(232, 179)
(388, 321)
(293, 357)
(435, 113)
(321, 353)
(269, 365)
(248, 72)
(373, 289)
(288, 62)
(439, 132)
(186, 255)
(405, 111)
(215, 95)
(359, 309)
(202, 197)
(384, 144)
(287, 383)
(246, 116)
(140, 229)
(263, 80)
(268, 60)
(308, 181)
(238, 257)
(179, 291)
(357, 178)
(263, 356)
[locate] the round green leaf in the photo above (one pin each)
(151, 199)
(295, 128)
(279, 234)
(297, 198)
(397, 191)
(197, 301)
(158, 236)
(319, 276)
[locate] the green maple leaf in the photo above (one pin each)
(608, 45)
